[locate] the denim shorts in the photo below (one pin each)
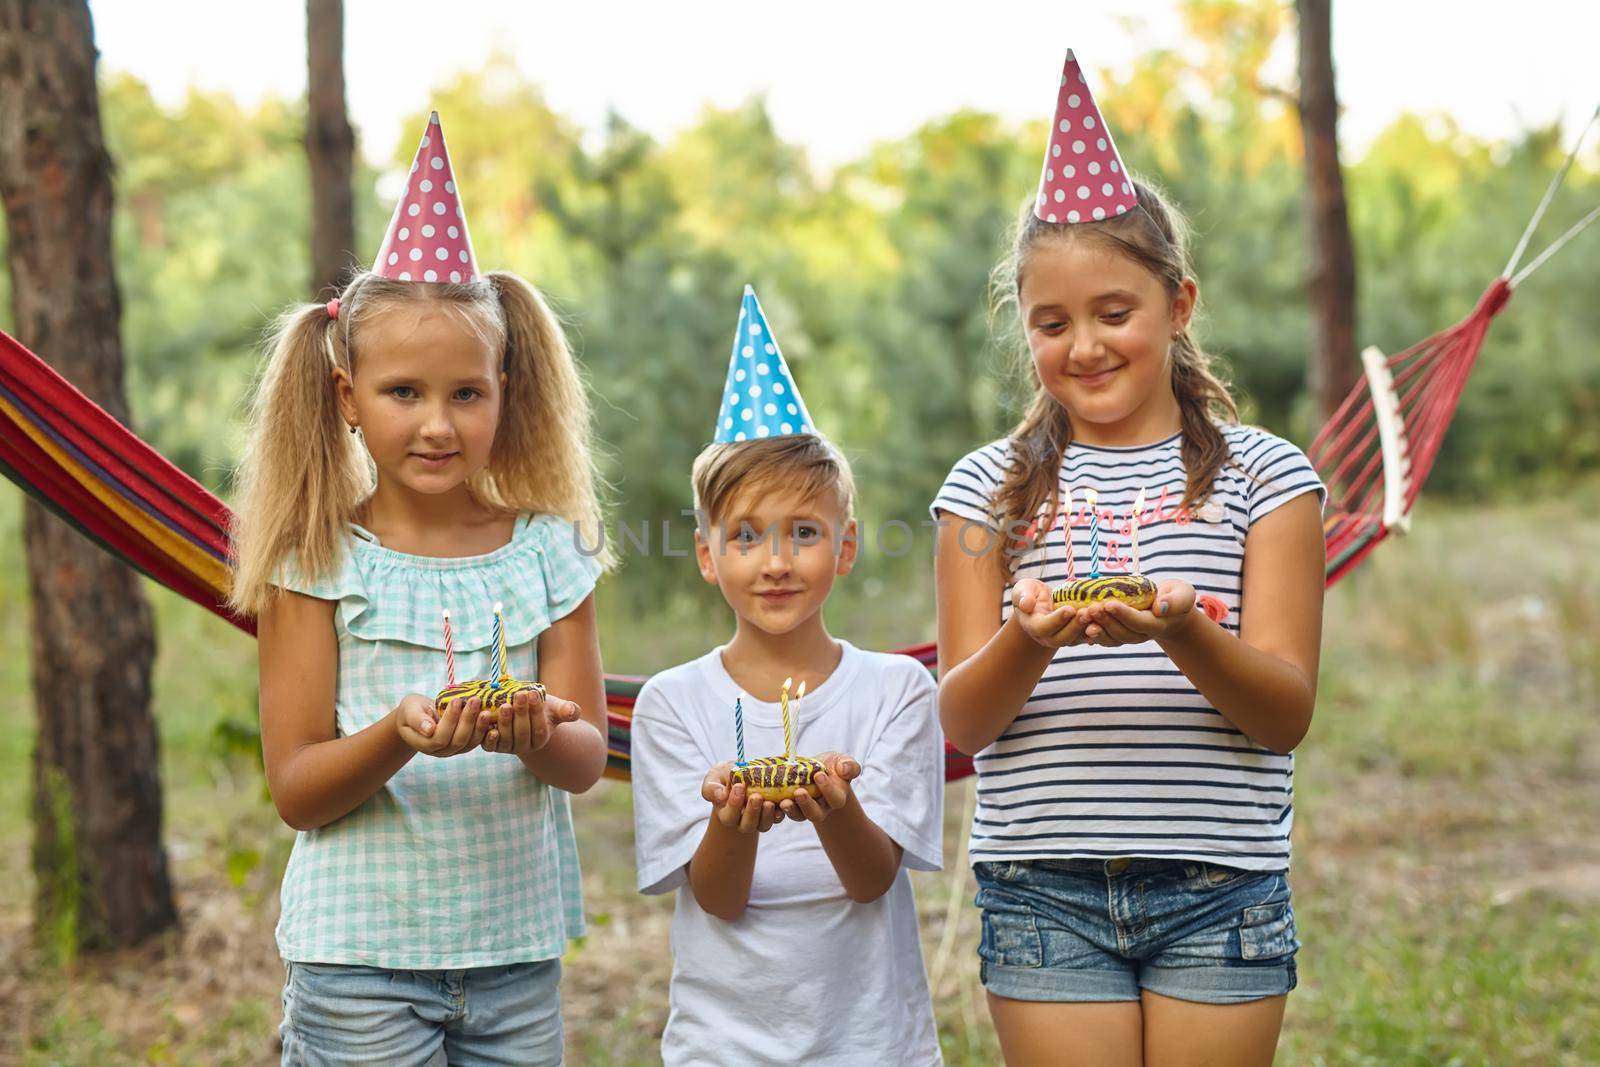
(1092, 930)
(339, 1014)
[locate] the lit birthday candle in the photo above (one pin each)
(1094, 532)
(738, 725)
(449, 650)
(1138, 509)
(497, 655)
(788, 732)
(787, 740)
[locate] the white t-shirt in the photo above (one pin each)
(862, 991)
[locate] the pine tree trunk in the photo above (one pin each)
(330, 144)
(1334, 368)
(101, 872)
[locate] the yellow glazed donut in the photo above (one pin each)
(492, 696)
(777, 779)
(1135, 590)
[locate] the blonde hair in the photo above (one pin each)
(807, 463)
(303, 477)
(1156, 237)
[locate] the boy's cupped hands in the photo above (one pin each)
(735, 806)
(749, 812)
(833, 789)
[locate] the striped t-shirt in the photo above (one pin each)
(1115, 753)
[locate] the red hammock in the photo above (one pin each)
(1378, 448)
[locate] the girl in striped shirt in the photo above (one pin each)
(1131, 837)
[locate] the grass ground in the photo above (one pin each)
(1447, 839)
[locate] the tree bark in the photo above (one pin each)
(330, 145)
(101, 873)
(1334, 368)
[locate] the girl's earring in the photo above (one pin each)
(354, 428)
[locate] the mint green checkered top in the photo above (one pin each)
(468, 861)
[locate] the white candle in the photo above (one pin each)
(1138, 509)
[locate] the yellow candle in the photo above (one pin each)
(783, 702)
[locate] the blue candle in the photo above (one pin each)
(1094, 532)
(738, 725)
(497, 665)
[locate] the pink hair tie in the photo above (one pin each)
(1215, 609)
(333, 308)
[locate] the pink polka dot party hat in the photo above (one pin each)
(1084, 179)
(427, 239)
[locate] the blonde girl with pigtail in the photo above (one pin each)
(1135, 768)
(421, 445)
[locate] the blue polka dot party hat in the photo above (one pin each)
(760, 398)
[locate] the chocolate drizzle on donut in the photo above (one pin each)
(488, 693)
(1134, 589)
(773, 772)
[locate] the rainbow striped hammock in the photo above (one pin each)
(97, 475)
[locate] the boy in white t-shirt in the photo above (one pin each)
(795, 933)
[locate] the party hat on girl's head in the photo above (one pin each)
(427, 239)
(760, 398)
(1084, 179)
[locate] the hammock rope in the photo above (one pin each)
(93, 472)
(1544, 201)
(1555, 246)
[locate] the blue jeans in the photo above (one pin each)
(1093, 930)
(338, 1014)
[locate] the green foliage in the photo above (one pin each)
(240, 863)
(59, 902)
(1462, 991)
(875, 273)
(952, 190)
